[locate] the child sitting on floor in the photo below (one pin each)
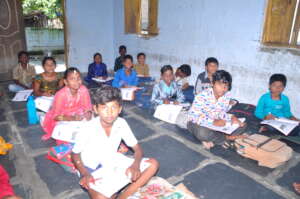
(275, 104)
(71, 103)
(167, 91)
(48, 82)
(119, 60)
(126, 77)
(141, 67)
(97, 69)
(204, 80)
(97, 145)
(181, 76)
(23, 73)
(211, 107)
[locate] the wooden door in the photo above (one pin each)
(12, 36)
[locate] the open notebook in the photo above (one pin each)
(227, 129)
(22, 96)
(283, 125)
(110, 179)
(168, 112)
(102, 80)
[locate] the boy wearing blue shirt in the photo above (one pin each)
(274, 104)
(126, 77)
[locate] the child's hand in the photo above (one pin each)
(270, 117)
(219, 123)
(88, 115)
(166, 101)
(134, 172)
(235, 120)
(176, 103)
(86, 180)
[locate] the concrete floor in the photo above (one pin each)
(211, 174)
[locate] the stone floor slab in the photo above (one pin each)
(56, 178)
(220, 181)
(291, 176)
(21, 191)
(179, 131)
(7, 161)
(32, 136)
(139, 128)
(5, 132)
(174, 157)
(145, 113)
(237, 160)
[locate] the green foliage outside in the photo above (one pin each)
(51, 8)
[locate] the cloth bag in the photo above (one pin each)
(267, 151)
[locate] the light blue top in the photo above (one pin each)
(162, 91)
(279, 108)
(121, 79)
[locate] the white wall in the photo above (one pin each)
(44, 39)
(192, 30)
(90, 29)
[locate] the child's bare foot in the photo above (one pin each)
(46, 137)
(296, 186)
(208, 145)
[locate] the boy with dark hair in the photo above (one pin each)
(204, 79)
(23, 73)
(96, 148)
(275, 104)
(210, 107)
(181, 76)
(119, 60)
(141, 67)
(126, 77)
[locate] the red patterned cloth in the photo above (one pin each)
(5, 187)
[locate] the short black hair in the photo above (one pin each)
(122, 47)
(128, 57)
(23, 53)
(48, 58)
(166, 68)
(222, 76)
(278, 77)
(141, 54)
(70, 70)
(106, 94)
(96, 54)
(211, 60)
(186, 69)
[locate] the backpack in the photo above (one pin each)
(267, 151)
(61, 155)
(247, 111)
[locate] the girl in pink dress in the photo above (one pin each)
(71, 103)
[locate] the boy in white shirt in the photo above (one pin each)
(96, 147)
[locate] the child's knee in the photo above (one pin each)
(154, 163)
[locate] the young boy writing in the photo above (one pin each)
(98, 143)
(181, 76)
(211, 107)
(275, 104)
(23, 74)
(204, 80)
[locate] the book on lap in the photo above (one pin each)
(43, 103)
(112, 177)
(283, 125)
(227, 129)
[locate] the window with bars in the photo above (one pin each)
(141, 17)
(282, 23)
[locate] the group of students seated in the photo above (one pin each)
(104, 129)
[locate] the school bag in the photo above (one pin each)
(267, 151)
(61, 155)
(242, 110)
